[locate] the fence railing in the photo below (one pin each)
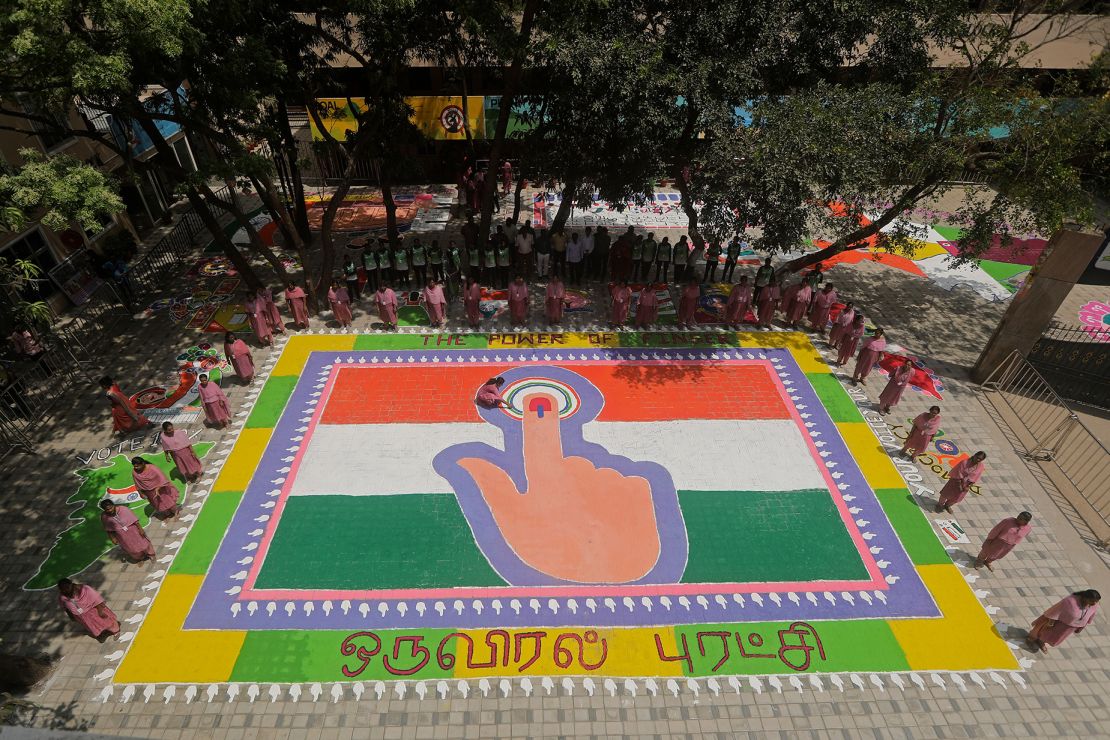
(33, 390)
(31, 395)
(1075, 360)
(1055, 437)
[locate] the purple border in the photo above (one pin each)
(218, 604)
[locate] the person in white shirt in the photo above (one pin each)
(524, 241)
(575, 255)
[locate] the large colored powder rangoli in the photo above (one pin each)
(642, 508)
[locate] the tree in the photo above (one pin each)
(848, 159)
(58, 191)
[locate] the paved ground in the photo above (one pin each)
(1067, 694)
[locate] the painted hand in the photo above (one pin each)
(573, 520)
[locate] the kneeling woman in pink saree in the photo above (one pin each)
(86, 607)
(489, 395)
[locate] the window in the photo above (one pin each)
(32, 246)
(106, 222)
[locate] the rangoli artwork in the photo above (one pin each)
(995, 276)
(83, 543)
(649, 511)
(178, 401)
(1094, 317)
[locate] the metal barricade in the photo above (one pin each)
(1056, 438)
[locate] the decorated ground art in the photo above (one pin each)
(650, 509)
(83, 543)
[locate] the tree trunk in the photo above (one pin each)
(851, 241)
(687, 204)
(570, 192)
(391, 232)
(290, 153)
(512, 82)
(257, 244)
(327, 244)
(516, 197)
(242, 266)
(278, 209)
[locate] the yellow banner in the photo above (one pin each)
(437, 117)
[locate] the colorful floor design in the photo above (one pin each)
(85, 542)
(996, 276)
(1094, 318)
(178, 401)
(368, 524)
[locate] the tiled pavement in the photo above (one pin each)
(1067, 694)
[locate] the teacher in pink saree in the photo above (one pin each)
(1066, 618)
(155, 487)
(179, 450)
(925, 427)
(1003, 538)
(966, 474)
(86, 607)
(217, 411)
(125, 532)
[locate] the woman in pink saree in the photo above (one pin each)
(553, 300)
(621, 295)
(647, 307)
(518, 301)
(340, 302)
(260, 323)
(472, 301)
(180, 451)
(386, 301)
(849, 340)
(822, 305)
(86, 607)
(155, 487)
(239, 355)
(435, 303)
(1066, 618)
(739, 301)
(960, 480)
(843, 320)
(688, 304)
(489, 395)
(798, 307)
(869, 356)
(298, 303)
(925, 427)
(1003, 538)
(126, 417)
(265, 298)
(768, 302)
(896, 386)
(125, 532)
(217, 411)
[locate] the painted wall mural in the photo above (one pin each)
(372, 523)
(84, 542)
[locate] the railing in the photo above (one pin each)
(147, 274)
(1075, 360)
(35, 389)
(1054, 436)
(30, 396)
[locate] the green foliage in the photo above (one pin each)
(84, 542)
(57, 190)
